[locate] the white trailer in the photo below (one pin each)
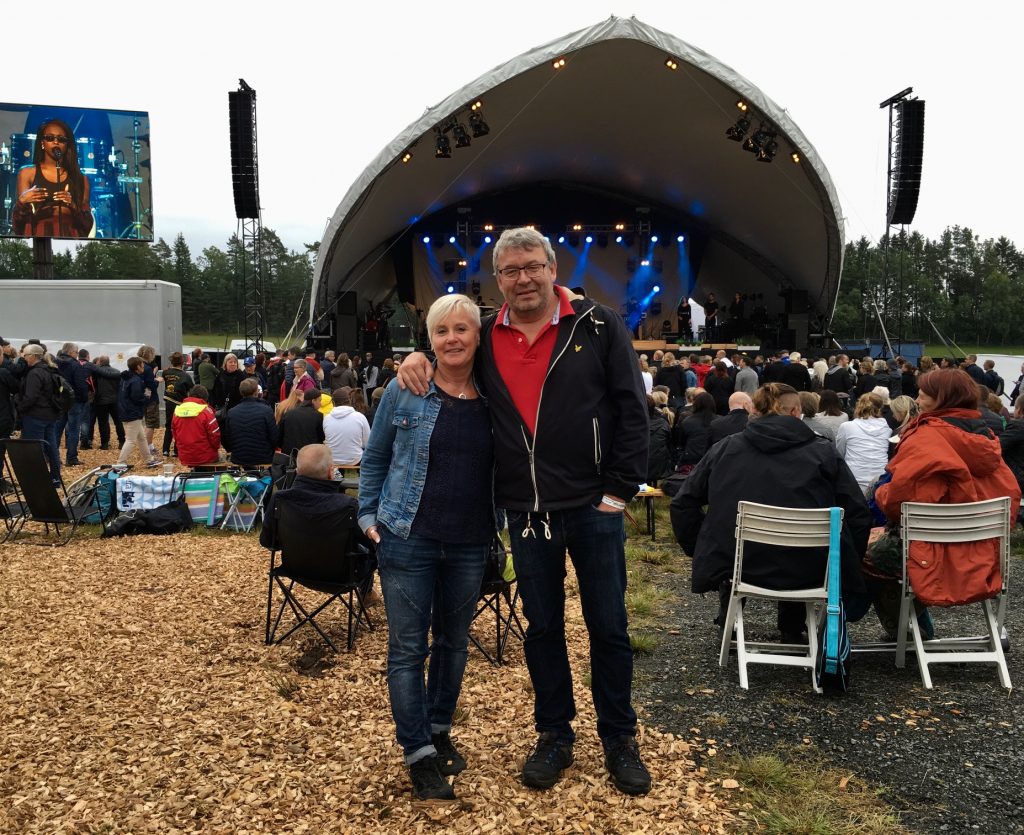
(109, 317)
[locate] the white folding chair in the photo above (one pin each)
(787, 527)
(971, 522)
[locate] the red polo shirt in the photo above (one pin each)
(522, 365)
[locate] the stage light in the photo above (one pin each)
(645, 263)
(478, 125)
(742, 105)
(443, 147)
(561, 239)
(487, 239)
(476, 105)
(768, 149)
(738, 131)
(462, 262)
(620, 227)
(577, 227)
(589, 239)
(618, 239)
(558, 63)
(426, 239)
(451, 288)
(671, 64)
(656, 289)
(679, 239)
(406, 156)
(451, 239)
(488, 227)
(461, 135)
(654, 239)
(795, 156)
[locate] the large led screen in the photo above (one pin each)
(68, 172)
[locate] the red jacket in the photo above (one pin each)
(701, 371)
(196, 433)
(944, 463)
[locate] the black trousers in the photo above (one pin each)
(103, 414)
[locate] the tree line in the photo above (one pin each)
(211, 291)
(971, 290)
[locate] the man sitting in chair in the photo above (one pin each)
(250, 433)
(314, 494)
(777, 460)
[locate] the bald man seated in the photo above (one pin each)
(314, 495)
(740, 407)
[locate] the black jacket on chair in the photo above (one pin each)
(776, 460)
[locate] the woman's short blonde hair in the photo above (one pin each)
(809, 402)
(445, 305)
(868, 406)
(223, 365)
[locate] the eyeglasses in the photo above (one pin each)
(531, 270)
(54, 137)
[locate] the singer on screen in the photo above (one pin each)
(53, 194)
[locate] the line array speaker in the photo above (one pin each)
(244, 172)
(906, 173)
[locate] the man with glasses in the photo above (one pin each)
(570, 441)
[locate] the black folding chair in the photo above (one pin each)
(323, 557)
(47, 503)
(13, 510)
(493, 590)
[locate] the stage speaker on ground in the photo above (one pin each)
(244, 172)
(796, 324)
(905, 184)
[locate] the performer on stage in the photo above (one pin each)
(685, 317)
(736, 311)
(53, 194)
(711, 318)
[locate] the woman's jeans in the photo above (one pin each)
(435, 585)
(34, 429)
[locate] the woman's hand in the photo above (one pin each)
(35, 194)
(62, 197)
(373, 535)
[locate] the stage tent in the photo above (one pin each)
(615, 134)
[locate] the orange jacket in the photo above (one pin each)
(941, 462)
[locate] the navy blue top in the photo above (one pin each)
(456, 505)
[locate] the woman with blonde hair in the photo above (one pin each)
(293, 399)
(864, 441)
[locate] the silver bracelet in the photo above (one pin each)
(608, 500)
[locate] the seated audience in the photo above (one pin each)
(196, 432)
(864, 441)
(659, 451)
(776, 460)
(830, 415)
(250, 434)
(345, 430)
(694, 432)
(720, 385)
(740, 407)
(1012, 442)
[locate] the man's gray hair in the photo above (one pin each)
(445, 305)
(313, 461)
(70, 348)
(522, 237)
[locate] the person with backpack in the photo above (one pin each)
(177, 384)
(69, 423)
(37, 405)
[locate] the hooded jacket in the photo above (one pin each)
(131, 397)
(950, 457)
(776, 460)
(591, 433)
(864, 444)
(346, 432)
(196, 433)
(76, 374)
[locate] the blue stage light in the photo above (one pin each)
(561, 239)
(451, 288)
(654, 239)
(618, 239)
(426, 239)
(487, 239)
(451, 240)
(679, 238)
(589, 239)
(656, 289)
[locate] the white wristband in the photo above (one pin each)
(608, 500)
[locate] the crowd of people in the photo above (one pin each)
(244, 410)
(536, 419)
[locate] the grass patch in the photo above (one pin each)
(644, 600)
(643, 643)
(796, 794)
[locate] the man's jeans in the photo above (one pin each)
(70, 426)
(595, 542)
(427, 584)
(34, 429)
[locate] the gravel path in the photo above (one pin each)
(948, 760)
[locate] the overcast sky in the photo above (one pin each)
(349, 77)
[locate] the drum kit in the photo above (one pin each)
(115, 183)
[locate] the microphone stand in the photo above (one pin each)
(58, 154)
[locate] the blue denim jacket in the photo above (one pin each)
(393, 468)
